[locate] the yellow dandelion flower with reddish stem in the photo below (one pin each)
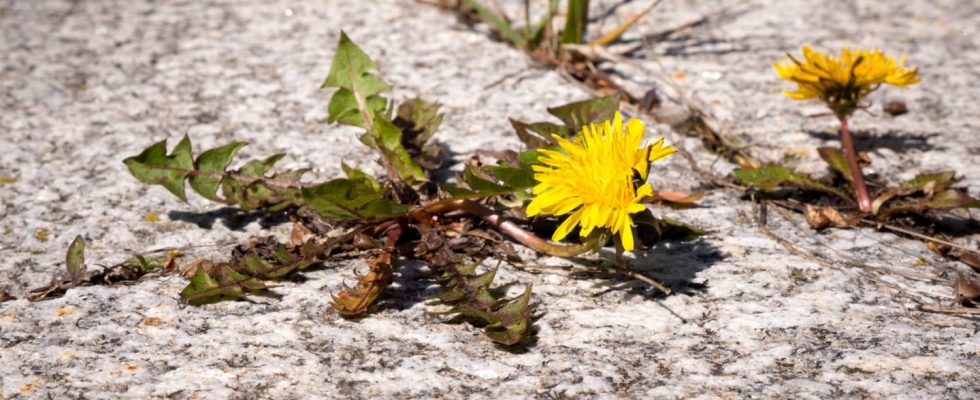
(843, 82)
(599, 178)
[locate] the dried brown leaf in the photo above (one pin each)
(967, 287)
(300, 234)
(894, 107)
(356, 301)
(820, 218)
(188, 270)
(675, 198)
(968, 258)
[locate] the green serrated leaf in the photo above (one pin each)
(538, 135)
(943, 201)
(482, 280)
(256, 194)
(292, 175)
(75, 258)
(528, 157)
(285, 262)
(506, 321)
(254, 265)
(513, 320)
(770, 177)
(360, 177)
(205, 289)
(516, 178)
(512, 181)
(420, 120)
(924, 183)
(935, 182)
(581, 113)
(469, 312)
(389, 141)
(258, 168)
(482, 184)
(460, 192)
(212, 164)
(346, 200)
(343, 108)
(154, 167)
(247, 186)
(513, 178)
(352, 69)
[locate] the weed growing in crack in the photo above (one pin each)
(408, 215)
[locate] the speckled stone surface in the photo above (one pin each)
(84, 85)
(727, 62)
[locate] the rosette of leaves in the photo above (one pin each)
(832, 204)
(374, 214)
(382, 220)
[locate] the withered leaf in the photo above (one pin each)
(822, 217)
(675, 199)
(300, 234)
(967, 287)
(356, 301)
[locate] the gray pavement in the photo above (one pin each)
(85, 84)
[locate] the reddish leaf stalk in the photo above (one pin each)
(506, 226)
(864, 201)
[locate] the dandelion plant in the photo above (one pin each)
(842, 84)
(591, 166)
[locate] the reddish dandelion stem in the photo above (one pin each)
(506, 226)
(864, 201)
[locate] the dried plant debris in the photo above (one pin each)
(77, 272)
(822, 217)
(356, 301)
(453, 228)
(966, 256)
(968, 289)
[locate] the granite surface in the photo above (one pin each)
(85, 84)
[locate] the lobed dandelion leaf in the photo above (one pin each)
(249, 187)
(470, 298)
(155, 167)
(346, 199)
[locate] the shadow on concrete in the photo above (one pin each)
(896, 141)
(673, 263)
(231, 217)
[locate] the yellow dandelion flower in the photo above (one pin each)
(599, 178)
(842, 83)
